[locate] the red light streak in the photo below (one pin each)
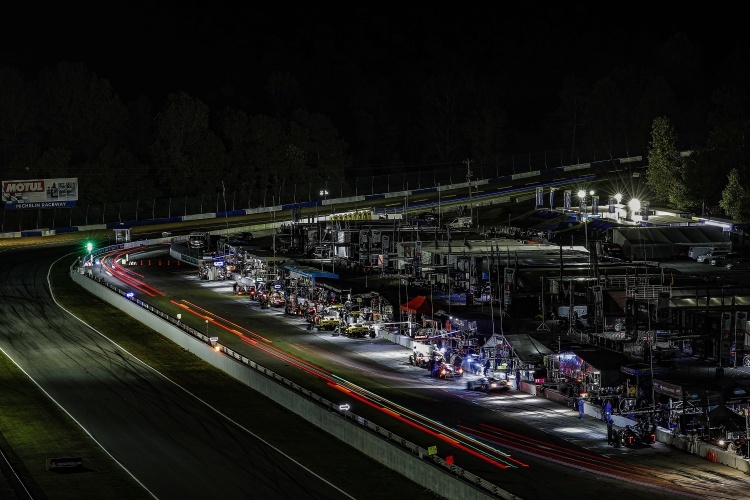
(579, 460)
(394, 414)
(485, 455)
(214, 318)
(126, 275)
(555, 447)
(340, 388)
(560, 454)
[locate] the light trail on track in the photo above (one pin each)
(217, 320)
(126, 275)
(431, 427)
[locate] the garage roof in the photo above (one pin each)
(675, 235)
(527, 348)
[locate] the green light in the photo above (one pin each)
(89, 247)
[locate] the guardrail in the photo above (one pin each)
(467, 481)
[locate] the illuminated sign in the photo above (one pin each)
(40, 193)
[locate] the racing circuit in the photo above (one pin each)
(507, 438)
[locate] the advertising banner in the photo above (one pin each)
(567, 202)
(40, 193)
(509, 277)
(539, 196)
(671, 390)
(552, 199)
(595, 205)
(65, 463)
(611, 204)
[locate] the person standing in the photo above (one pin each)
(608, 411)
(580, 408)
(692, 443)
(518, 380)
(610, 433)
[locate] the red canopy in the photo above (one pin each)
(417, 305)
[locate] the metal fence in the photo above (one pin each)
(232, 199)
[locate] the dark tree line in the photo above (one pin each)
(67, 122)
(316, 120)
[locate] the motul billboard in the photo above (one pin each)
(40, 193)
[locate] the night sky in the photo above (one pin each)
(219, 47)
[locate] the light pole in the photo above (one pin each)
(582, 205)
(439, 211)
(206, 328)
(591, 196)
(468, 181)
(273, 225)
(652, 345)
(618, 199)
(226, 216)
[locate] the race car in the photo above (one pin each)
(446, 370)
(419, 359)
(357, 330)
(329, 322)
(488, 384)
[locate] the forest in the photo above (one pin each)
(363, 109)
